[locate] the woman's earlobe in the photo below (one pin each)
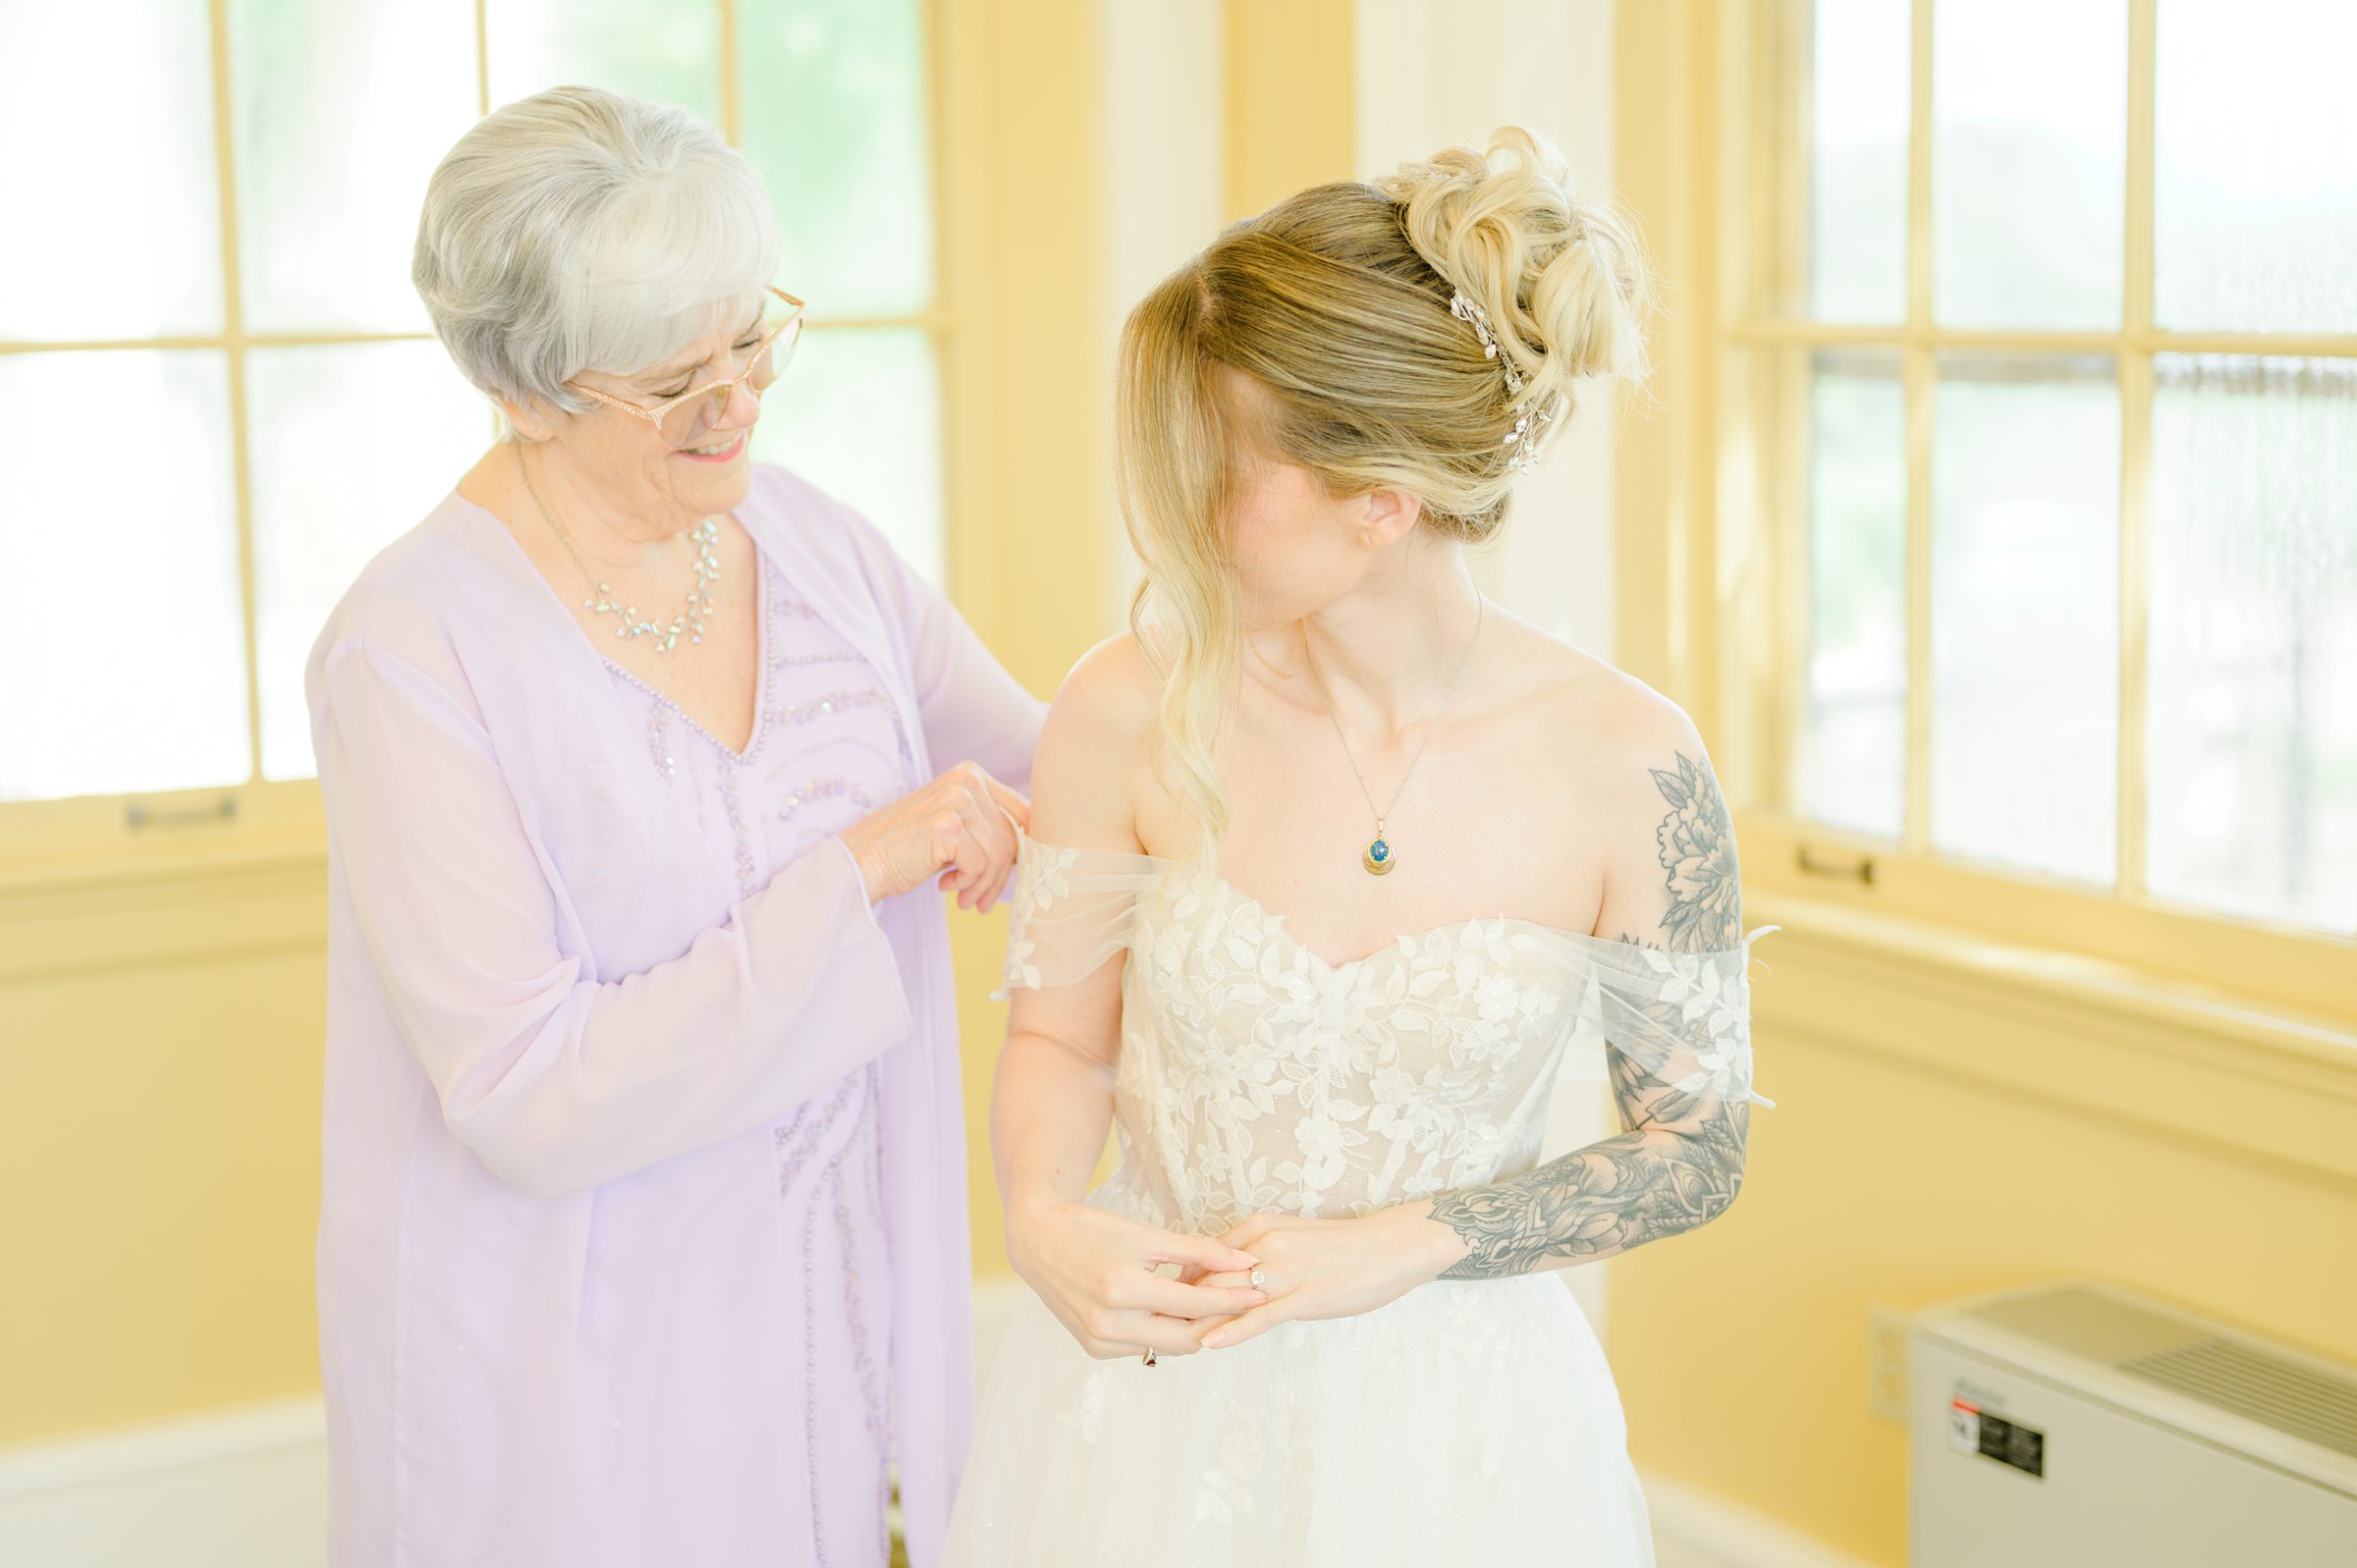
(528, 425)
(1388, 514)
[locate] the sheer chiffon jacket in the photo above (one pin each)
(565, 1027)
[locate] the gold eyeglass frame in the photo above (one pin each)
(791, 329)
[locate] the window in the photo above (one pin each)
(2042, 374)
(219, 394)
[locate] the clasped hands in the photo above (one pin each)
(1104, 1277)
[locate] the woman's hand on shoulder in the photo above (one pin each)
(963, 823)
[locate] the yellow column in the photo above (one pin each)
(1023, 267)
(1291, 98)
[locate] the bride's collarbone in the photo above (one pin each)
(1306, 863)
(1331, 904)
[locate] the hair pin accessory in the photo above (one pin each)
(1530, 420)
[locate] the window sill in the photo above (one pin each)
(2095, 1038)
(2271, 970)
(87, 894)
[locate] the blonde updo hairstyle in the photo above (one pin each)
(1336, 302)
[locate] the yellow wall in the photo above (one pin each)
(1291, 120)
(1028, 552)
(159, 1153)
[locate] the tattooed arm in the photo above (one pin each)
(1678, 1161)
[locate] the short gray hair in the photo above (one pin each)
(584, 230)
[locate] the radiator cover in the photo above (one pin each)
(2079, 1426)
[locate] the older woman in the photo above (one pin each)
(643, 1230)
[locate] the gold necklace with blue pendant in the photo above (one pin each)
(1380, 857)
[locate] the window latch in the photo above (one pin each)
(1854, 867)
(139, 814)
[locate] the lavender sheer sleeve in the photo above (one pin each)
(560, 1082)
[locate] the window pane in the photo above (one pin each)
(352, 445)
(2251, 749)
(2025, 614)
(1853, 759)
(1858, 161)
(123, 569)
(859, 415)
(108, 119)
(836, 117)
(670, 53)
(2255, 178)
(2029, 158)
(342, 113)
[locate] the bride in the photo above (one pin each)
(1333, 867)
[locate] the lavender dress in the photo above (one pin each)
(827, 749)
(642, 1217)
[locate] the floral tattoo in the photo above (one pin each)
(1678, 1160)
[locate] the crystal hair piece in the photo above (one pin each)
(1530, 420)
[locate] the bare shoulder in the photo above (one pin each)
(1610, 718)
(1083, 782)
(1648, 790)
(1107, 707)
(1113, 682)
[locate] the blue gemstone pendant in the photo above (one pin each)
(1378, 858)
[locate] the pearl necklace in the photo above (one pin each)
(690, 622)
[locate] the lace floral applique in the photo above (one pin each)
(1723, 1000)
(1257, 1077)
(1042, 880)
(1337, 1090)
(1224, 1490)
(1088, 1415)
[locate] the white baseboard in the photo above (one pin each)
(1697, 1529)
(249, 1490)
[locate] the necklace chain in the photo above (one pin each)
(1380, 857)
(694, 613)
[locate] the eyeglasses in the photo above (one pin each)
(769, 354)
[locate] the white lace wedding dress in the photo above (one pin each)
(1471, 1423)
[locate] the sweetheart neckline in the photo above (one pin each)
(1581, 939)
(1283, 925)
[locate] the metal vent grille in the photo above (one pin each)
(2251, 1384)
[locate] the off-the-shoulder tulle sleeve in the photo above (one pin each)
(1072, 909)
(1684, 1018)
